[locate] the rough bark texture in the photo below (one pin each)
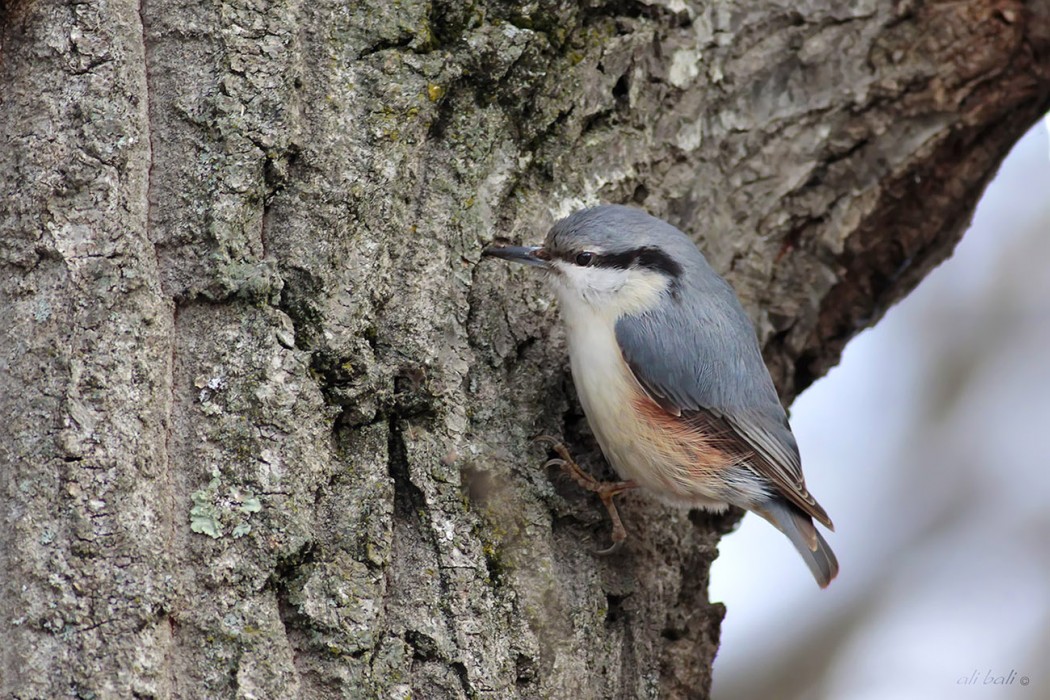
(265, 415)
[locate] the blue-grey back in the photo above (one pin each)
(698, 348)
(699, 343)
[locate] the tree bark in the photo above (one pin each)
(266, 416)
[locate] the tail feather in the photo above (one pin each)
(803, 534)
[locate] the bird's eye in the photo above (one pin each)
(584, 259)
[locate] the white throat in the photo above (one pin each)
(587, 294)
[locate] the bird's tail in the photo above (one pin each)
(803, 534)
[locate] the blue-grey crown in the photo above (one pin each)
(623, 237)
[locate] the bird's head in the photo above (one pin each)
(609, 261)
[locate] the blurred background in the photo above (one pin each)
(929, 445)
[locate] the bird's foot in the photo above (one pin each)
(606, 490)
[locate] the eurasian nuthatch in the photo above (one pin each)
(668, 370)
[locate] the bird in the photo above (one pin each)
(669, 374)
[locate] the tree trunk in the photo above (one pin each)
(266, 416)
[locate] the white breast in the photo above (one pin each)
(608, 392)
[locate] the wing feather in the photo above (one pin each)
(712, 376)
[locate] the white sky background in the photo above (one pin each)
(929, 446)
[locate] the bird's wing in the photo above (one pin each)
(711, 375)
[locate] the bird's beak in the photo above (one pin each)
(529, 255)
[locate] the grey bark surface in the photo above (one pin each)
(265, 415)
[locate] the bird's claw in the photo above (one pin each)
(554, 462)
(606, 490)
(610, 550)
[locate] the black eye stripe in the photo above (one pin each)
(619, 261)
(647, 257)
